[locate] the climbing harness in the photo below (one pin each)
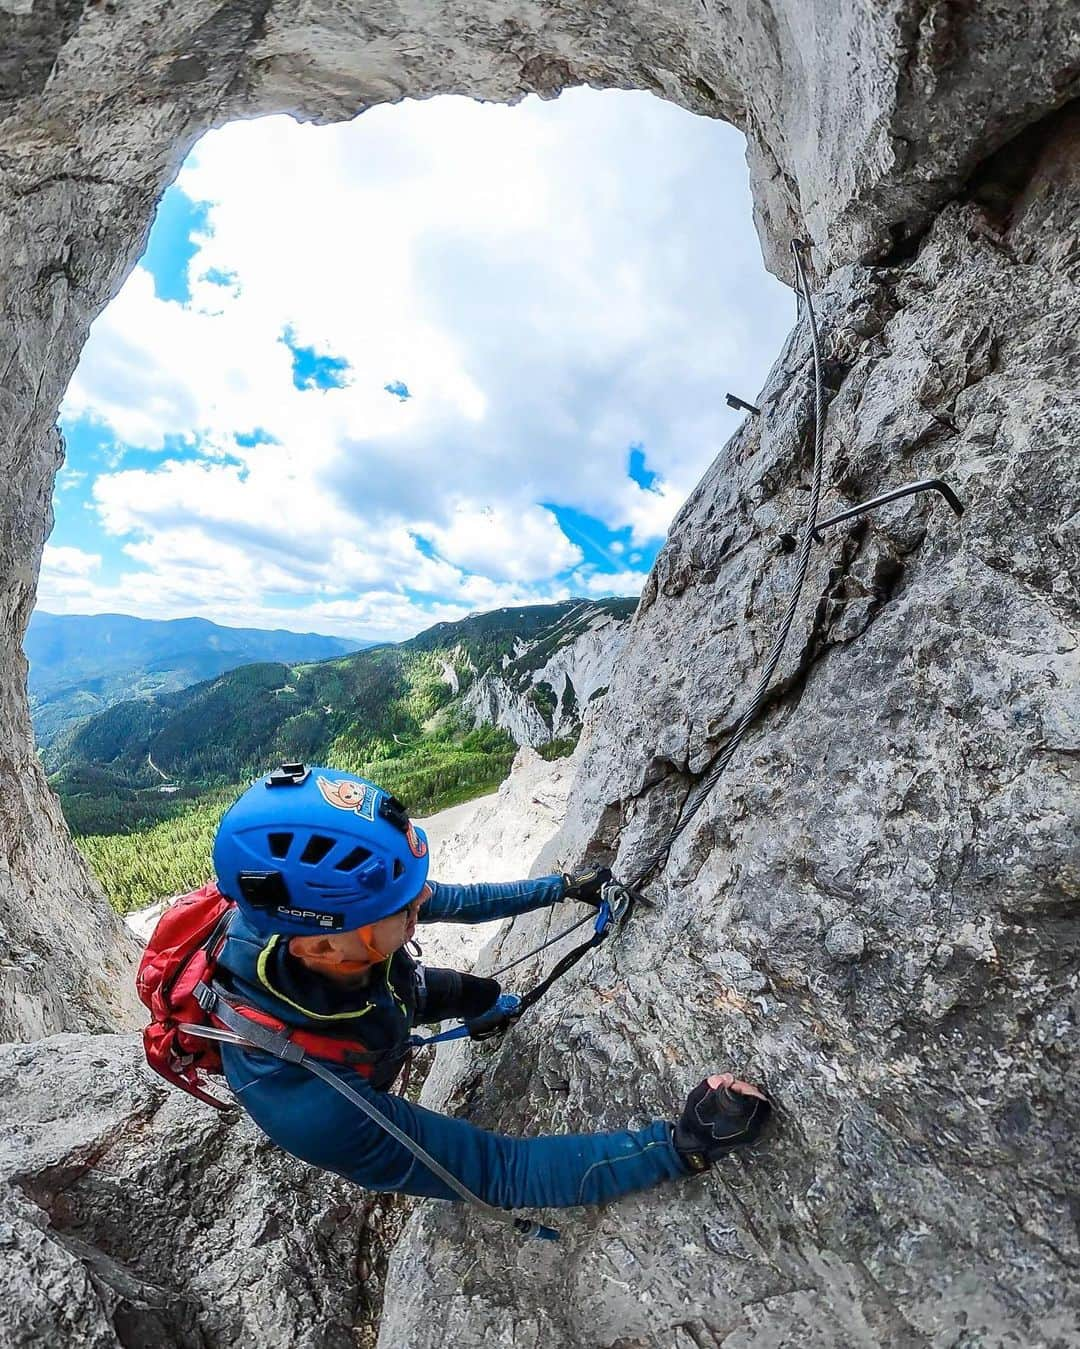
(234, 1026)
(191, 1015)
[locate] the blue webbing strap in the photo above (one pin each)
(506, 1005)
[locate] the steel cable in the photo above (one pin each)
(494, 974)
(696, 799)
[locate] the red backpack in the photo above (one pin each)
(177, 967)
(175, 981)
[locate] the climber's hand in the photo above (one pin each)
(720, 1114)
(451, 995)
(586, 884)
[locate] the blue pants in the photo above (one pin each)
(311, 1121)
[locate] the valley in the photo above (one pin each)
(436, 719)
(80, 664)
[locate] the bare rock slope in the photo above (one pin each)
(132, 1215)
(877, 910)
(860, 121)
(546, 690)
(498, 840)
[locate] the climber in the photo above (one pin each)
(330, 878)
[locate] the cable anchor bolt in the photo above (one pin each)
(740, 404)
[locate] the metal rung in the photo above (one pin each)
(925, 485)
(789, 541)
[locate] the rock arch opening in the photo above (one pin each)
(99, 104)
(919, 1202)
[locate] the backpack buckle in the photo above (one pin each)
(205, 996)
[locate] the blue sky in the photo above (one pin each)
(446, 357)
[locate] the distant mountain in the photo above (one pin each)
(80, 664)
(407, 714)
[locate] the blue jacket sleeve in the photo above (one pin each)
(309, 1119)
(482, 903)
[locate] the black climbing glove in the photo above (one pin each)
(714, 1121)
(449, 995)
(586, 884)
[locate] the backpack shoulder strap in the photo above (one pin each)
(245, 1029)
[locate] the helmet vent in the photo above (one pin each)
(316, 849)
(399, 868)
(279, 844)
(353, 859)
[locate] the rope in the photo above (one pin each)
(698, 795)
(241, 1030)
(726, 753)
(720, 761)
(524, 1227)
(537, 949)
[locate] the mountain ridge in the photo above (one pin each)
(435, 719)
(81, 664)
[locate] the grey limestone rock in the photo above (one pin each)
(909, 798)
(575, 677)
(133, 1215)
(845, 940)
(914, 775)
(860, 121)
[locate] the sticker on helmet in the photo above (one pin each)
(417, 846)
(346, 794)
(312, 917)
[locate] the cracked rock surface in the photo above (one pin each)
(875, 913)
(860, 121)
(132, 1215)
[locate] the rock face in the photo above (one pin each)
(499, 841)
(132, 1215)
(540, 697)
(860, 121)
(65, 959)
(504, 835)
(876, 912)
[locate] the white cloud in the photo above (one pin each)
(545, 279)
(505, 544)
(68, 562)
(602, 584)
(66, 581)
(180, 587)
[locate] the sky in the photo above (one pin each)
(447, 357)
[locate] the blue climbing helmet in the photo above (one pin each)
(308, 850)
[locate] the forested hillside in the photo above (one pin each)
(80, 664)
(144, 783)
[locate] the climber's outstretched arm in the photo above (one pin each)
(482, 903)
(312, 1121)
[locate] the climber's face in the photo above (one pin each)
(345, 955)
(392, 932)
